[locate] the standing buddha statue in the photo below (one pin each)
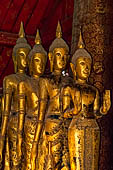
(50, 112)
(10, 96)
(29, 102)
(84, 132)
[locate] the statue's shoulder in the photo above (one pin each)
(48, 77)
(9, 82)
(43, 80)
(93, 88)
(9, 79)
(25, 82)
(67, 81)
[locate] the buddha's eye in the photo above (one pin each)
(22, 54)
(58, 54)
(82, 63)
(37, 60)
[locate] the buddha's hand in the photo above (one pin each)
(106, 103)
(33, 156)
(68, 114)
(19, 147)
(65, 168)
(1, 149)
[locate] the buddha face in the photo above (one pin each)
(38, 63)
(21, 56)
(83, 68)
(60, 58)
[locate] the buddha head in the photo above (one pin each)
(37, 58)
(81, 62)
(21, 51)
(58, 52)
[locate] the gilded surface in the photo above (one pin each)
(50, 122)
(53, 119)
(28, 92)
(51, 103)
(95, 17)
(10, 110)
(84, 132)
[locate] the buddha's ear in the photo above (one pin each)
(68, 57)
(15, 63)
(30, 66)
(51, 59)
(73, 70)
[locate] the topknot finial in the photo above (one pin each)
(58, 31)
(37, 39)
(21, 32)
(80, 42)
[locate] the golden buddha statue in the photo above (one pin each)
(10, 96)
(1, 108)
(49, 159)
(71, 106)
(50, 113)
(84, 132)
(29, 102)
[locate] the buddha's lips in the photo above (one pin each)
(86, 72)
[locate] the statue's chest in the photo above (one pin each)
(54, 90)
(33, 89)
(17, 79)
(88, 96)
(32, 94)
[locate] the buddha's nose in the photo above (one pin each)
(62, 58)
(87, 68)
(25, 62)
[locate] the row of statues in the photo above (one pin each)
(49, 122)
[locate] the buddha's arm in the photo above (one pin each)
(71, 95)
(100, 111)
(2, 104)
(1, 107)
(78, 101)
(42, 108)
(7, 96)
(76, 97)
(21, 105)
(66, 98)
(97, 105)
(67, 102)
(106, 103)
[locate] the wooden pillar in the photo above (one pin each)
(96, 19)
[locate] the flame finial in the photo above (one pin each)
(37, 39)
(21, 31)
(58, 31)
(80, 42)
